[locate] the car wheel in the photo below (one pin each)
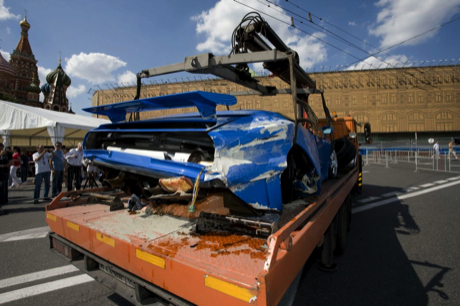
(333, 165)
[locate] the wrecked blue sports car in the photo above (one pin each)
(250, 153)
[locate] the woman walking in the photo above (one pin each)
(15, 182)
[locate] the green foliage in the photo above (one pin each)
(7, 97)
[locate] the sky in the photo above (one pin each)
(104, 43)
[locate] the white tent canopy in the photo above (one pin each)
(23, 125)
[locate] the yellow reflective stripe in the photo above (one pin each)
(73, 226)
(154, 260)
(105, 239)
(360, 174)
(230, 289)
(360, 184)
(51, 217)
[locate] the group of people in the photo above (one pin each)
(50, 166)
(436, 149)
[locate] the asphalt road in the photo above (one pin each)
(402, 249)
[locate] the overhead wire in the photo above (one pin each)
(379, 51)
(349, 43)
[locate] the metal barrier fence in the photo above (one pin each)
(423, 159)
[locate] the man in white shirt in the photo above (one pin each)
(74, 158)
(42, 172)
(436, 149)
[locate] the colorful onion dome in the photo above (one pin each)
(5, 68)
(24, 23)
(46, 89)
(33, 87)
(50, 78)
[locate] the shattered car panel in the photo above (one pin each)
(247, 151)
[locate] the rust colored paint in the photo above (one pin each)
(212, 204)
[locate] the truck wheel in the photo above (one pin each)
(343, 218)
(346, 151)
(333, 165)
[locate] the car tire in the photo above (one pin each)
(333, 165)
(345, 150)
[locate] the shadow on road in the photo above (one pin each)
(375, 269)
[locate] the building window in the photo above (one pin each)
(416, 127)
(444, 126)
(353, 100)
(389, 117)
(337, 101)
(410, 98)
(393, 99)
(416, 116)
(384, 99)
(420, 99)
(365, 100)
(361, 118)
(390, 128)
(438, 97)
(444, 116)
(448, 97)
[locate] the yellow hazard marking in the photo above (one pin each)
(73, 226)
(360, 179)
(360, 184)
(154, 260)
(227, 288)
(51, 217)
(105, 239)
(360, 174)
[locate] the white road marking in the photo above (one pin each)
(366, 171)
(410, 189)
(390, 194)
(38, 232)
(427, 185)
(403, 196)
(369, 199)
(43, 288)
(21, 279)
(453, 178)
(441, 182)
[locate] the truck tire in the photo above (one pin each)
(343, 221)
(345, 150)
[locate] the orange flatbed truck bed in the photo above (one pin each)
(159, 256)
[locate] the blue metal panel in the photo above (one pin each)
(206, 102)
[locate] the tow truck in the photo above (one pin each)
(168, 260)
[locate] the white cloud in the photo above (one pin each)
(72, 91)
(127, 77)
(42, 73)
(5, 12)
(351, 23)
(217, 25)
(399, 20)
(374, 63)
(6, 55)
(95, 68)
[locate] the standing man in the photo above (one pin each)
(42, 172)
(451, 149)
(74, 158)
(57, 164)
(5, 163)
(436, 149)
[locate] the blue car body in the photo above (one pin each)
(251, 147)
